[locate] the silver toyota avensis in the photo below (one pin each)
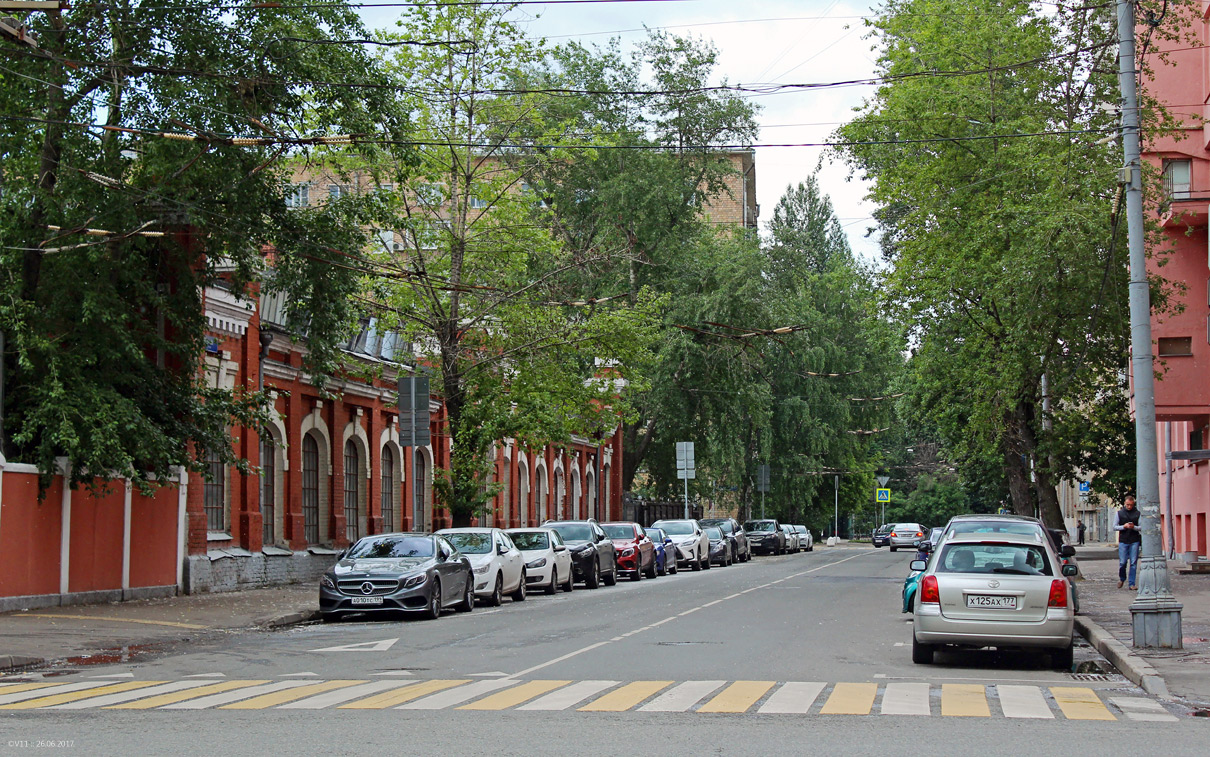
(1002, 590)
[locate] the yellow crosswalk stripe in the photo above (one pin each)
(514, 696)
(287, 695)
(181, 696)
(620, 700)
(737, 697)
(964, 700)
(16, 688)
(1080, 703)
(850, 699)
(71, 696)
(401, 695)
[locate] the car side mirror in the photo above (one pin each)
(1070, 570)
(560, 548)
(917, 565)
(500, 550)
(1067, 551)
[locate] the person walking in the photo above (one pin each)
(1080, 528)
(1129, 541)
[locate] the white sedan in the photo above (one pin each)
(547, 561)
(792, 544)
(498, 565)
(692, 544)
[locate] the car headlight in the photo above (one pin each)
(414, 581)
(327, 581)
(583, 549)
(540, 562)
(481, 569)
(628, 552)
(686, 543)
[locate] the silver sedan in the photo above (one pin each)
(1007, 591)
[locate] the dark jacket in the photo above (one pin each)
(1128, 535)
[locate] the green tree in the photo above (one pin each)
(480, 280)
(104, 330)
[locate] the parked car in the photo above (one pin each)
(692, 546)
(791, 538)
(1004, 591)
(905, 535)
(405, 572)
(1016, 524)
(498, 565)
(882, 535)
(665, 550)
(593, 557)
(636, 553)
(547, 559)
(805, 540)
(766, 536)
(740, 547)
(720, 546)
(910, 585)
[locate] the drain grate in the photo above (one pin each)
(1091, 677)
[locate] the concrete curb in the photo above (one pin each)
(290, 619)
(14, 661)
(1131, 665)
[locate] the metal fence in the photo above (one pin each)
(647, 511)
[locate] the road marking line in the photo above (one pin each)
(340, 696)
(515, 696)
(616, 638)
(208, 675)
(1143, 709)
(1080, 703)
(662, 622)
(114, 675)
(567, 656)
(733, 596)
(620, 700)
(299, 675)
(850, 699)
(457, 696)
(711, 604)
(180, 696)
(688, 612)
(289, 695)
(402, 694)
(793, 698)
(71, 696)
(964, 700)
(363, 646)
(14, 688)
(105, 701)
(215, 700)
(173, 624)
(567, 697)
(29, 691)
(906, 699)
(1023, 702)
(737, 697)
(682, 697)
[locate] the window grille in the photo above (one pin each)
(214, 492)
(268, 487)
(352, 490)
(388, 490)
(310, 490)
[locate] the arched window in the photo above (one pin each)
(543, 494)
(388, 490)
(419, 474)
(523, 492)
(560, 495)
(310, 489)
(214, 492)
(352, 491)
(268, 487)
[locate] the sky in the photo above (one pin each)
(759, 42)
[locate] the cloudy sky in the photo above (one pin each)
(760, 42)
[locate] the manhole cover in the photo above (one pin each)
(1090, 677)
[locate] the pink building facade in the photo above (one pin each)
(1181, 340)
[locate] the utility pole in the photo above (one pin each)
(836, 511)
(1155, 611)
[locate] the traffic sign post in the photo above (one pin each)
(882, 483)
(762, 485)
(686, 468)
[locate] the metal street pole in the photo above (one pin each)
(686, 497)
(1155, 611)
(836, 511)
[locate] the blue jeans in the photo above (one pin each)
(1128, 553)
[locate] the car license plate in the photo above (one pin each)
(366, 601)
(991, 602)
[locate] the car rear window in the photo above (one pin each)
(1012, 559)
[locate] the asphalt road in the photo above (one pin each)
(762, 658)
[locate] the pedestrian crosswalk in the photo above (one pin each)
(804, 698)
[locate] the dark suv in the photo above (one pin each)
(593, 558)
(741, 548)
(766, 536)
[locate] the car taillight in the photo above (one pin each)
(919, 534)
(1058, 593)
(893, 534)
(929, 593)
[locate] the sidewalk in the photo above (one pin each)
(1185, 671)
(85, 634)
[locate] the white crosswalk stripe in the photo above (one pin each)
(1023, 702)
(682, 696)
(906, 699)
(795, 697)
(129, 696)
(340, 696)
(568, 696)
(1137, 708)
(21, 696)
(457, 695)
(227, 697)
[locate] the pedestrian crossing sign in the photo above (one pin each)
(884, 495)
